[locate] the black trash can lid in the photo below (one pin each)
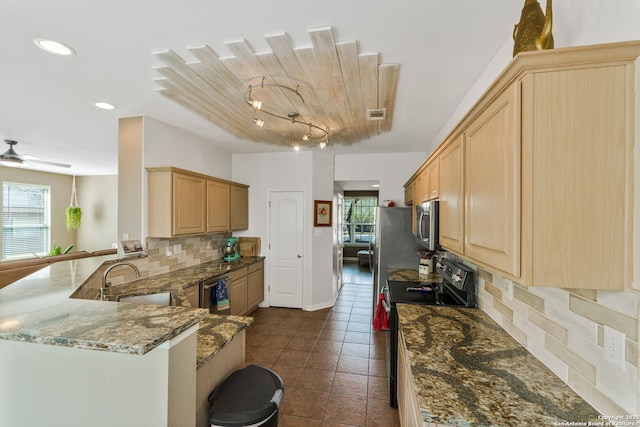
(246, 397)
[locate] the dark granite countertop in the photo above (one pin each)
(469, 372)
(412, 275)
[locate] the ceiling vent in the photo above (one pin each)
(376, 113)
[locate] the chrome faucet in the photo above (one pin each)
(104, 294)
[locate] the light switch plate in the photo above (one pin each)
(614, 342)
(177, 249)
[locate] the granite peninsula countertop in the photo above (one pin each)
(469, 372)
(39, 309)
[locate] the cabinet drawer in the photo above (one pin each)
(239, 273)
(255, 267)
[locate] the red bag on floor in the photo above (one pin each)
(381, 321)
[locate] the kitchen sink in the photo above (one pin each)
(161, 298)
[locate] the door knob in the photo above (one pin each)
(299, 256)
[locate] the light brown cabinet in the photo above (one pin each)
(452, 196)
(218, 206)
(239, 207)
(255, 291)
(246, 290)
(408, 408)
(548, 171)
(408, 193)
(433, 187)
(176, 203)
(578, 180)
(192, 293)
(238, 292)
(492, 183)
(181, 202)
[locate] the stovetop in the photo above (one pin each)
(456, 290)
(419, 293)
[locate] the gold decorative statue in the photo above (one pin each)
(533, 32)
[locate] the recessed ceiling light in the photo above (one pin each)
(105, 105)
(54, 47)
(375, 185)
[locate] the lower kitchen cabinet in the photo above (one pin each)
(247, 288)
(255, 285)
(193, 294)
(408, 408)
(238, 292)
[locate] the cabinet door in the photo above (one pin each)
(452, 196)
(193, 295)
(424, 185)
(238, 296)
(255, 285)
(239, 208)
(577, 127)
(434, 180)
(492, 166)
(189, 195)
(408, 409)
(218, 206)
(408, 193)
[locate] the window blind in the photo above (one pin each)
(25, 219)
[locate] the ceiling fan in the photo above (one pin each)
(11, 158)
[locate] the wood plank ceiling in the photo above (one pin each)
(337, 86)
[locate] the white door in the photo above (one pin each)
(286, 228)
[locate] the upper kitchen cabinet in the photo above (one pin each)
(492, 182)
(181, 202)
(546, 159)
(176, 203)
(239, 207)
(218, 206)
(433, 187)
(451, 207)
(578, 125)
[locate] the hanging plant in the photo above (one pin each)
(74, 212)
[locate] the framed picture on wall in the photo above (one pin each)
(322, 213)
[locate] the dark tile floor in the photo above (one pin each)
(332, 361)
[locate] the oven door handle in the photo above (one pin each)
(386, 306)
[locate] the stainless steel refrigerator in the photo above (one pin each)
(393, 246)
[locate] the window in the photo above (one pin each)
(359, 218)
(25, 220)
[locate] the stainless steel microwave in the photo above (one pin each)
(427, 229)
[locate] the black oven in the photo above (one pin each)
(454, 288)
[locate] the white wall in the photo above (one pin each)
(322, 293)
(575, 23)
(145, 142)
(98, 198)
(288, 171)
(166, 145)
(391, 170)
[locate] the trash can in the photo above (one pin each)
(248, 397)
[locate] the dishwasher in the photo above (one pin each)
(208, 289)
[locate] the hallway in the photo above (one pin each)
(332, 361)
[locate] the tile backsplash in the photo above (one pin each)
(183, 252)
(564, 328)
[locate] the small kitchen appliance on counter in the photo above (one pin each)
(231, 249)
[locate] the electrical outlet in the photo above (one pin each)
(177, 249)
(169, 252)
(509, 289)
(614, 342)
